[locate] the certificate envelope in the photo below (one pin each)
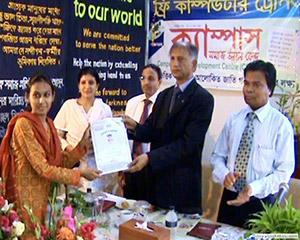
(111, 145)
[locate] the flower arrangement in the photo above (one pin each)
(75, 198)
(61, 223)
(67, 227)
(11, 227)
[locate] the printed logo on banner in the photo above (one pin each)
(229, 38)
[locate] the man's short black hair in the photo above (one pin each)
(267, 68)
(155, 68)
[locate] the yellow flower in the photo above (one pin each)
(65, 234)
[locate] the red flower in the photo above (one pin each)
(5, 224)
(35, 225)
(45, 231)
(87, 230)
(2, 202)
(13, 216)
(4, 221)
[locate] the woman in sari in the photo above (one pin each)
(74, 117)
(31, 156)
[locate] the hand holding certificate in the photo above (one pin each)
(139, 163)
(111, 146)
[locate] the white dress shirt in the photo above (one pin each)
(272, 155)
(134, 109)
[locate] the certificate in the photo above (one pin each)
(111, 145)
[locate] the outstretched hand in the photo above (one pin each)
(242, 198)
(90, 173)
(138, 163)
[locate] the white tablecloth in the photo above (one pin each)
(185, 224)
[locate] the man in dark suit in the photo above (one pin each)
(176, 130)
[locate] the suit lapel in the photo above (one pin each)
(184, 98)
(165, 106)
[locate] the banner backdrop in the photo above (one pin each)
(32, 38)
(59, 38)
(109, 35)
(229, 34)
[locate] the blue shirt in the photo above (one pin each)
(184, 85)
(271, 159)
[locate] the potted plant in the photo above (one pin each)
(289, 104)
(276, 219)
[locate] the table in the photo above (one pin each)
(185, 223)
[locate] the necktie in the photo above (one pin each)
(174, 98)
(137, 146)
(243, 154)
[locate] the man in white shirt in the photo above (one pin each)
(253, 172)
(139, 108)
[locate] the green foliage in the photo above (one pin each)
(289, 103)
(276, 219)
(34, 220)
(78, 202)
(54, 213)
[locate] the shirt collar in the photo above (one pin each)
(152, 98)
(261, 113)
(184, 85)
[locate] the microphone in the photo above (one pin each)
(283, 189)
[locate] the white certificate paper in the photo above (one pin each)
(111, 145)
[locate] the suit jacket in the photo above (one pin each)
(177, 141)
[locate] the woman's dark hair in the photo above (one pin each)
(265, 67)
(155, 68)
(88, 70)
(38, 77)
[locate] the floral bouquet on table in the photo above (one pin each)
(67, 227)
(11, 227)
